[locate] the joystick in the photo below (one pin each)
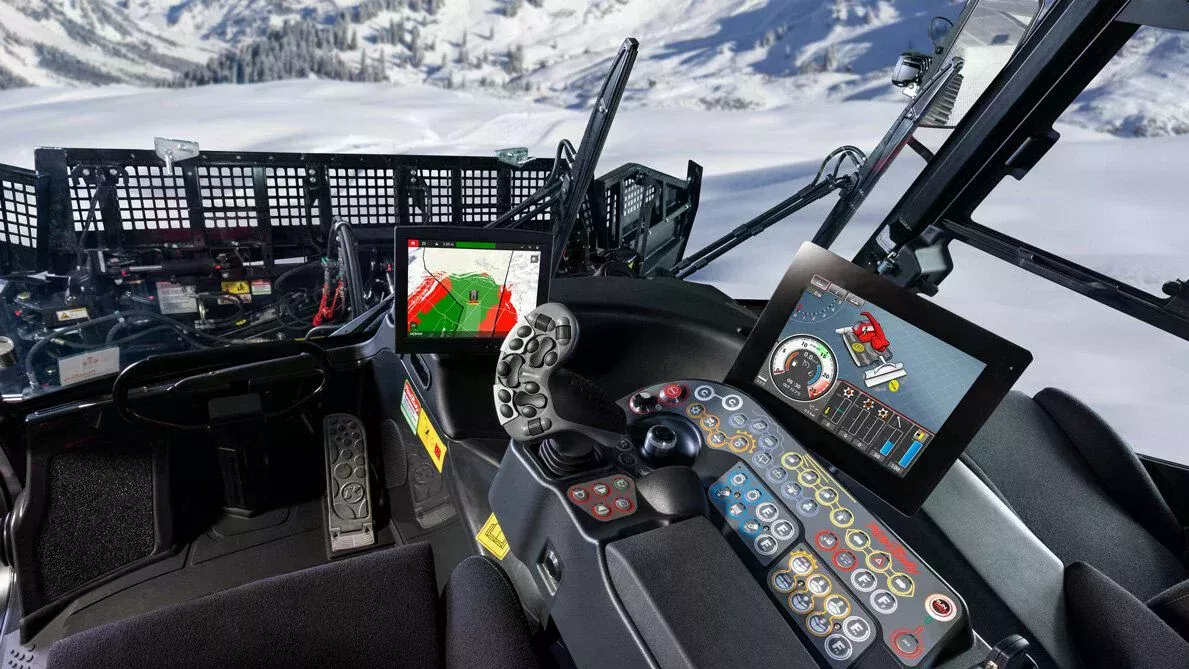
(536, 400)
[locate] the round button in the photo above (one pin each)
(752, 495)
(523, 331)
(766, 545)
(709, 421)
(550, 357)
(856, 629)
(790, 460)
(737, 420)
(818, 585)
(738, 478)
(506, 411)
(901, 585)
(778, 474)
(770, 441)
(791, 490)
(842, 518)
(827, 495)
(767, 512)
(906, 644)
(783, 530)
(528, 412)
(627, 460)
(839, 647)
(602, 510)
(759, 426)
(801, 565)
(624, 445)
(504, 395)
(695, 410)
(845, 560)
(884, 602)
(515, 344)
(717, 439)
(704, 393)
(801, 603)
(532, 346)
(940, 608)
(732, 402)
(818, 625)
(342, 470)
(623, 504)
(532, 387)
(807, 507)
(600, 489)
(579, 494)
(762, 459)
(826, 540)
(782, 582)
(809, 477)
(740, 443)
(673, 393)
(837, 606)
(863, 580)
(361, 472)
(620, 483)
(857, 539)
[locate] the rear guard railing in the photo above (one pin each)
(270, 205)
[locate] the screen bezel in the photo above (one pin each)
(400, 265)
(1004, 361)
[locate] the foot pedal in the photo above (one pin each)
(348, 493)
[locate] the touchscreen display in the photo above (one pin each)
(881, 385)
(470, 289)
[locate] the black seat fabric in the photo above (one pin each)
(1080, 489)
(379, 610)
(480, 596)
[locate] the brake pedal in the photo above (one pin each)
(348, 492)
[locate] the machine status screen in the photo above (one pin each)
(470, 289)
(872, 379)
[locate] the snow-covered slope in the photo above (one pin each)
(48, 42)
(1090, 194)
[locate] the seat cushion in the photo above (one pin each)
(485, 624)
(1035, 466)
(377, 610)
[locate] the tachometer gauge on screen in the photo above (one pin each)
(803, 368)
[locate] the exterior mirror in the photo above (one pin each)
(939, 29)
(910, 71)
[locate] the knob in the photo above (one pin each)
(642, 402)
(659, 441)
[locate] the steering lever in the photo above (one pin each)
(537, 400)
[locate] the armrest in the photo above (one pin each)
(681, 580)
(1112, 628)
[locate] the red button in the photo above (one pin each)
(673, 393)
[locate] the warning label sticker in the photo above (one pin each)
(89, 365)
(491, 536)
(261, 287)
(174, 298)
(430, 439)
(410, 407)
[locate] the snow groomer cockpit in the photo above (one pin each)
(304, 410)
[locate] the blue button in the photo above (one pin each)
(911, 453)
(887, 447)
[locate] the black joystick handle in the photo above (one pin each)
(535, 398)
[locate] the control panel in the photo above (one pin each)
(839, 569)
(607, 498)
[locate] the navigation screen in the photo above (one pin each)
(470, 289)
(880, 384)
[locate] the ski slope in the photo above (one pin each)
(1116, 205)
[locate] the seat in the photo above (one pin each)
(378, 610)
(1080, 489)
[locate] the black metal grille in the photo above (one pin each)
(152, 199)
(364, 196)
(18, 220)
(480, 196)
(287, 197)
(228, 196)
(82, 190)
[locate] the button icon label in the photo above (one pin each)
(941, 608)
(883, 602)
(767, 512)
(863, 580)
(856, 629)
(838, 647)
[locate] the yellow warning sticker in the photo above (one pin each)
(237, 287)
(491, 536)
(430, 439)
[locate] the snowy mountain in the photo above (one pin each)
(44, 42)
(710, 54)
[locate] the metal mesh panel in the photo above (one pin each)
(364, 196)
(18, 214)
(287, 196)
(430, 197)
(524, 184)
(228, 197)
(80, 204)
(480, 196)
(152, 199)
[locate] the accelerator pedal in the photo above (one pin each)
(348, 492)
